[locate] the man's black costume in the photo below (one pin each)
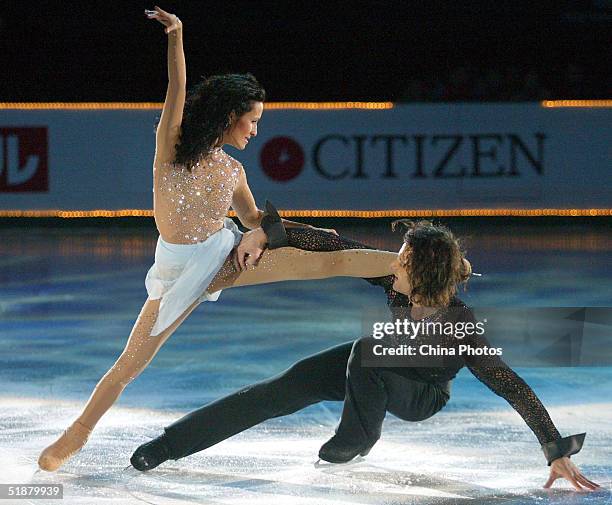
(410, 393)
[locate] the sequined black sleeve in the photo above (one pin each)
(505, 382)
(309, 239)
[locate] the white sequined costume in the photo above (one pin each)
(195, 235)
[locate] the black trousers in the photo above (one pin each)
(333, 374)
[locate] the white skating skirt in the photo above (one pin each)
(182, 272)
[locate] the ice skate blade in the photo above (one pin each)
(132, 472)
(320, 463)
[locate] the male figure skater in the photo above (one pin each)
(427, 272)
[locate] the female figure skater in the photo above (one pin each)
(195, 182)
(426, 274)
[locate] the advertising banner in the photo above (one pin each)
(424, 156)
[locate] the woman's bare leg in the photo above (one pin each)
(138, 353)
(278, 265)
(140, 350)
(289, 263)
(286, 263)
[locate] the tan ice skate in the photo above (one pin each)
(66, 446)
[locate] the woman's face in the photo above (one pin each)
(399, 266)
(244, 127)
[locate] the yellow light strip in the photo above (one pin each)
(447, 213)
(81, 105)
(328, 105)
(331, 213)
(158, 105)
(77, 213)
(268, 105)
(576, 103)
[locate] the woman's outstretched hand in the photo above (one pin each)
(170, 21)
(564, 468)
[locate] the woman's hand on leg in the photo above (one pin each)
(250, 249)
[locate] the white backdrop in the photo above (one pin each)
(432, 156)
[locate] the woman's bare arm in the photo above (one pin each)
(169, 128)
(249, 215)
(243, 203)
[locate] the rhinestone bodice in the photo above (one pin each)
(190, 206)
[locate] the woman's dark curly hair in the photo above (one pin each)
(434, 262)
(208, 109)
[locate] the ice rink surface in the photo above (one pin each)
(453, 458)
(68, 300)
